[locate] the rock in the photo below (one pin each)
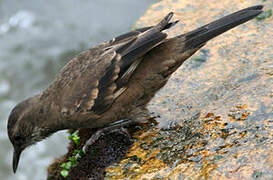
(215, 114)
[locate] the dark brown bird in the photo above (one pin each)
(112, 81)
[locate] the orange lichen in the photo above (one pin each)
(149, 162)
(232, 92)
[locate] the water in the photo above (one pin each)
(36, 39)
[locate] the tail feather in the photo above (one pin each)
(203, 34)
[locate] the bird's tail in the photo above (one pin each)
(181, 47)
(200, 36)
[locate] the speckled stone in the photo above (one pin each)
(221, 100)
(215, 115)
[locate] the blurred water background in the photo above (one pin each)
(36, 39)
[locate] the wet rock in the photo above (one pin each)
(215, 115)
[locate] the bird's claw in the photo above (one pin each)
(93, 139)
(116, 127)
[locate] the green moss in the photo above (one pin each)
(76, 155)
(199, 59)
(257, 174)
(64, 173)
(264, 15)
(75, 137)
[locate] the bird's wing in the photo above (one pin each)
(138, 31)
(95, 78)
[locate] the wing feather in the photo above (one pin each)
(106, 69)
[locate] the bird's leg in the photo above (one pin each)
(113, 127)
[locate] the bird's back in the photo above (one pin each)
(94, 79)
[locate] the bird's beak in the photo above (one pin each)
(16, 158)
(200, 36)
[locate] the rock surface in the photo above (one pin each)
(215, 115)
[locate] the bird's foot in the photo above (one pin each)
(114, 127)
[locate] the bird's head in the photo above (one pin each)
(24, 127)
